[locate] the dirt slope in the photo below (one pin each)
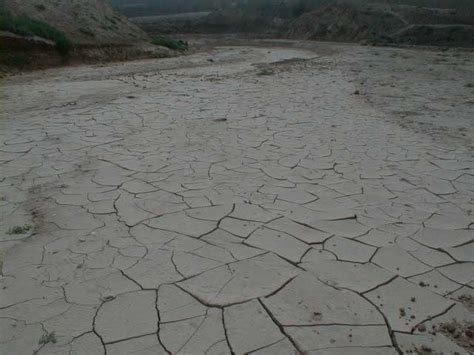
(85, 22)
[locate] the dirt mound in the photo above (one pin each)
(85, 22)
(385, 24)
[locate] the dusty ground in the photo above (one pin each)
(286, 198)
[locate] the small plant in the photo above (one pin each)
(48, 338)
(470, 85)
(19, 229)
(171, 43)
(265, 72)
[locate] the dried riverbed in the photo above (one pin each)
(279, 198)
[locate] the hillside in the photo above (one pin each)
(84, 22)
(385, 24)
(45, 33)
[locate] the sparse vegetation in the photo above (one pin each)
(25, 26)
(19, 229)
(171, 43)
(461, 332)
(48, 338)
(468, 301)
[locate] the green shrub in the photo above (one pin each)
(265, 72)
(48, 338)
(171, 43)
(26, 26)
(19, 229)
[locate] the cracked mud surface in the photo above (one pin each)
(189, 206)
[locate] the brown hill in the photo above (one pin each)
(345, 22)
(382, 23)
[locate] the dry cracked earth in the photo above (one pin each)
(245, 200)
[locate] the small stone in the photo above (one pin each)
(426, 348)
(317, 316)
(422, 328)
(450, 328)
